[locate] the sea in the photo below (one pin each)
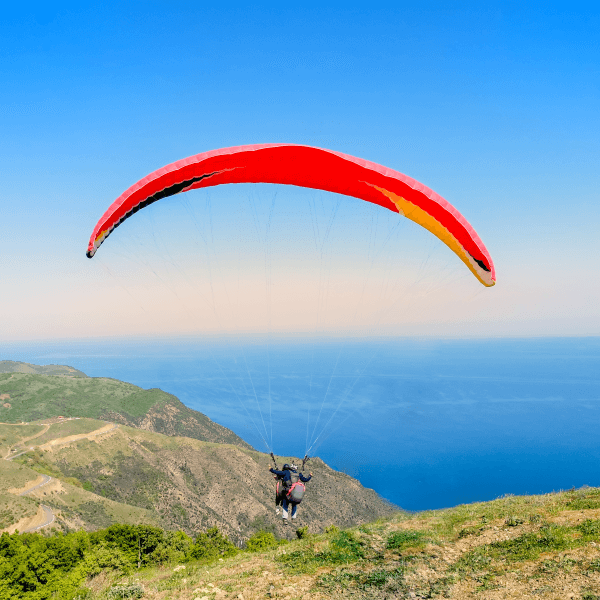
(427, 423)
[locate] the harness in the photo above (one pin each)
(293, 489)
(296, 488)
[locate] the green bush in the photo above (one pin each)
(211, 545)
(105, 557)
(535, 518)
(174, 547)
(129, 590)
(376, 578)
(590, 529)
(261, 540)
(44, 568)
(405, 538)
(139, 543)
(345, 548)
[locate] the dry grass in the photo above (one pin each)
(66, 428)
(538, 547)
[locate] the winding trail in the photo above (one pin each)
(47, 479)
(48, 514)
(23, 441)
(48, 519)
(19, 454)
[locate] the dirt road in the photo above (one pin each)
(46, 479)
(38, 434)
(45, 516)
(80, 436)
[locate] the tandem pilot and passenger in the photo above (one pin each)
(290, 489)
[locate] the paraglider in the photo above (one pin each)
(319, 169)
(289, 486)
(293, 488)
(309, 167)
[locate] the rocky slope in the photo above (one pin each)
(188, 484)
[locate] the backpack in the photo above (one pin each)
(296, 489)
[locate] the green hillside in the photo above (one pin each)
(11, 366)
(26, 397)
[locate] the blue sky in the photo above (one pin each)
(494, 106)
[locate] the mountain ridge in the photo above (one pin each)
(32, 392)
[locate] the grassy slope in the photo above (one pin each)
(74, 506)
(29, 397)
(192, 485)
(542, 547)
(77, 508)
(11, 366)
(34, 397)
(13, 508)
(11, 434)
(63, 429)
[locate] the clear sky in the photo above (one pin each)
(494, 106)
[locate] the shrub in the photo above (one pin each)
(594, 565)
(261, 540)
(590, 529)
(104, 556)
(466, 531)
(525, 547)
(476, 560)
(392, 581)
(585, 498)
(128, 590)
(345, 548)
(535, 518)
(405, 538)
(137, 542)
(212, 545)
(530, 545)
(376, 578)
(175, 546)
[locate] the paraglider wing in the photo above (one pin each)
(308, 167)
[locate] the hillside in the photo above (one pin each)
(24, 492)
(179, 483)
(11, 366)
(26, 395)
(514, 548)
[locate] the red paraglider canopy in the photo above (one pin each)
(308, 167)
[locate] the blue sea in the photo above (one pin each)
(426, 423)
